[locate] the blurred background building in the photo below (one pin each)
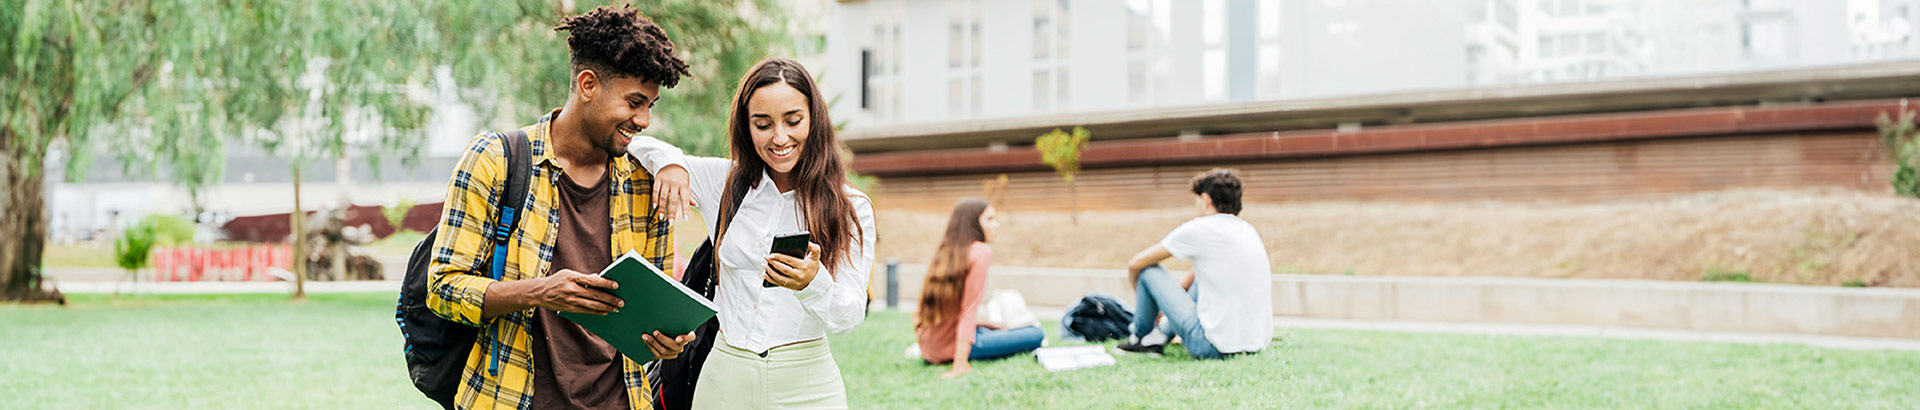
(935, 95)
(931, 61)
(939, 94)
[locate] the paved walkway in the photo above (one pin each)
(227, 287)
(1837, 342)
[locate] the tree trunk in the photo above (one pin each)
(299, 225)
(336, 246)
(337, 261)
(1073, 202)
(23, 218)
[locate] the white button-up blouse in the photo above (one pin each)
(757, 318)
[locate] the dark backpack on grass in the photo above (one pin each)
(437, 348)
(1098, 317)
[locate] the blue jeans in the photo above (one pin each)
(1159, 294)
(994, 344)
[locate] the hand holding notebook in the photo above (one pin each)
(654, 303)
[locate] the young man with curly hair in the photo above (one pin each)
(588, 203)
(1226, 306)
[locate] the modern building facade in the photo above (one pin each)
(1344, 100)
(895, 62)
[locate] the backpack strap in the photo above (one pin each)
(513, 198)
(738, 197)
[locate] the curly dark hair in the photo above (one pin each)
(619, 42)
(1223, 186)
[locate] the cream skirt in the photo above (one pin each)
(797, 376)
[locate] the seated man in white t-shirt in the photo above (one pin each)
(1226, 305)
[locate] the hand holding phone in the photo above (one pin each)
(792, 244)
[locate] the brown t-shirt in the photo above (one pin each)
(573, 369)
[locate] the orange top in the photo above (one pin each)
(937, 341)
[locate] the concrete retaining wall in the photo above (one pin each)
(1720, 307)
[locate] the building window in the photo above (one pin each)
(866, 78)
(1149, 23)
(964, 49)
(1268, 50)
(1050, 55)
(1505, 15)
(1213, 54)
(882, 94)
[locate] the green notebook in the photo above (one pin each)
(655, 301)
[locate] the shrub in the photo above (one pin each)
(1717, 274)
(1901, 148)
(132, 250)
(397, 214)
(168, 229)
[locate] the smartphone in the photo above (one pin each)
(791, 244)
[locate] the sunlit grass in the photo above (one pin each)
(342, 351)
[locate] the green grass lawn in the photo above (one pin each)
(1329, 368)
(240, 351)
(342, 351)
(400, 243)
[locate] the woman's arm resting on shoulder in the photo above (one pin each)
(682, 182)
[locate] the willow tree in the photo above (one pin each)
(70, 69)
(165, 84)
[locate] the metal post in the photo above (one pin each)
(893, 283)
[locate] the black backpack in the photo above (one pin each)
(1098, 317)
(674, 379)
(437, 348)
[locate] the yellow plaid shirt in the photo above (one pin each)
(458, 277)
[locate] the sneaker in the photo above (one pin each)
(1137, 348)
(1156, 337)
(913, 352)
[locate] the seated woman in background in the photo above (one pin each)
(956, 282)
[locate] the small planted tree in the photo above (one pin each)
(1061, 150)
(397, 213)
(1903, 150)
(134, 249)
(995, 191)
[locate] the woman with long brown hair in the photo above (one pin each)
(785, 174)
(950, 299)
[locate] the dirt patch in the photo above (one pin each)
(1819, 238)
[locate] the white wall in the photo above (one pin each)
(1097, 63)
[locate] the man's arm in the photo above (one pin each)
(1147, 257)
(563, 291)
(457, 285)
(458, 289)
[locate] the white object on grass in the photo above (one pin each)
(1073, 357)
(913, 352)
(1006, 309)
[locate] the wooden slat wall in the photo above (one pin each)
(1577, 172)
(1512, 132)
